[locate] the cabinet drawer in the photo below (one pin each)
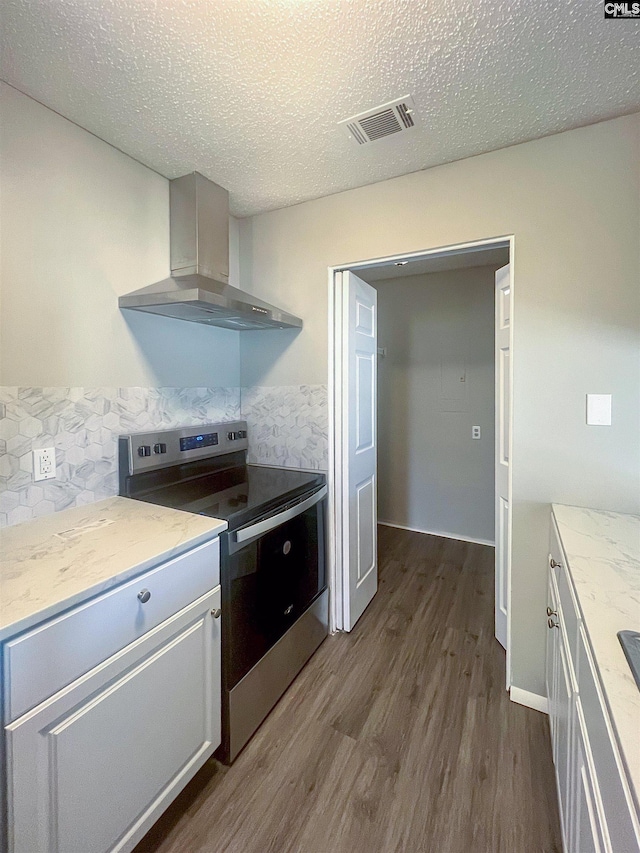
(42, 661)
(570, 613)
(608, 768)
(567, 601)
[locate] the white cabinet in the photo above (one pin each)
(560, 687)
(92, 767)
(596, 809)
(551, 670)
(41, 661)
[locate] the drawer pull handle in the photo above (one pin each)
(551, 612)
(552, 624)
(216, 613)
(553, 564)
(143, 596)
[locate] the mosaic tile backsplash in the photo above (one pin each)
(287, 427)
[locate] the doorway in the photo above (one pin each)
(353, 472)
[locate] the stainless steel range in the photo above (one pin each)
(273, 572)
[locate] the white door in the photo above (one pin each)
(504, 290)
(356, 481)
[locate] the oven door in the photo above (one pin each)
(273, 569)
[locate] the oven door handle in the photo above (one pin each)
(274, 521)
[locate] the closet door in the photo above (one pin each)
(503, 452)
(357, 475)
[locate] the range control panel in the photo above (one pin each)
(146, 451)
(192, 442)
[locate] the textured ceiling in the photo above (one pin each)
(248, 92)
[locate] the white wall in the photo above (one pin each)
(81, 224)
(438, 329)
(572, 201)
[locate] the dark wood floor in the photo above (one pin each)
(396, 738)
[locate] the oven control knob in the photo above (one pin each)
(144, 450)
(160, 448)
(216, 613)
(286, 548)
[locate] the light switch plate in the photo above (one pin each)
(599, 409)
(44, 463)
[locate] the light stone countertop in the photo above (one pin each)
(52, 563)
(603, 553)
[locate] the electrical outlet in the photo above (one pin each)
(475, 432)
(44, 463)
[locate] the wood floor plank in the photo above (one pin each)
(396, 738)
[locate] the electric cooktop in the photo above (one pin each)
(204, 470)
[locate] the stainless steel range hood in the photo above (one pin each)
(199, 289)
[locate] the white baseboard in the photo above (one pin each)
(489, 542)
(530, 700)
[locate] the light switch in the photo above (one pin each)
(599, 409)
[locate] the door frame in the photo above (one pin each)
(335, 349)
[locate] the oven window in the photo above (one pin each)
(268, 585)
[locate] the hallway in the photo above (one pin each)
(396, 738)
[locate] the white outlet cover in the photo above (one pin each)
(44, 464)
(476, 432)
(599, 409)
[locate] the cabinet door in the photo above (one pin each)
(93, 767)
(562, 744)
(588, 829)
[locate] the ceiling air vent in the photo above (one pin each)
(385, 120)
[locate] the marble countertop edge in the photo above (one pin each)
(57, 608)
(46, 568)
(606, 586)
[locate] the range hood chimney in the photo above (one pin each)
(198, 289)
